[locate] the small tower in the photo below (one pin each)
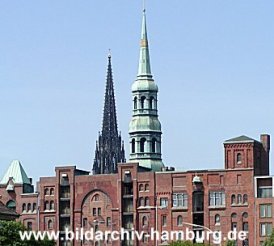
(145, 127)
(109, 147)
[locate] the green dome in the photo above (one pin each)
(144, 85)
(144, 123)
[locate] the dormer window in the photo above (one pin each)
(239, 158)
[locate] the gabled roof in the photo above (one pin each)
(241, 139)
(6, 211)
(17, 173)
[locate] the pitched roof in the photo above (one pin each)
(6, 211)
(17, 172)
(241, 139)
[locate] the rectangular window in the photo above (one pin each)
(94, 211)
(265, 192)
(180, 200)
(233, 226)
(85, 222)
(163, 202)
(265, 211)
(216, 199)
(245, 226)
(164, 220)
(108, 221)
(265, 229)
(99, 211)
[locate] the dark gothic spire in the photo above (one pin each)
(109, 147)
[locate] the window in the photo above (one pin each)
(239, 198)
(50, 224)
(29, 207)
(143, 102)
(245, 199)
(34, 206)
(51, 191)
(164, 220)
(145, 221)
(141, 202)
(29, 226)
(233, 215)
(239, 158)
(135, 103)
(141, 187)
(147, 201)
(265, 229)
(11, 204)
(51, 205)
(99, 211)
(24, 207)
(233, 226)
(245, 226)
(265, 211)
(133, 146)
(216, 198)
(233, 199)
(217, 219)
(46, 205)
(94, 211)
(142, 145)
(146, 187)
(265, 192)
(179, 220)
(163, 202)
(85, 222)
(153, 145)
(180, 200)
(108, 221)
(96, 198)
(46, 191)
(245, 215)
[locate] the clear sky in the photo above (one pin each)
(212, 60)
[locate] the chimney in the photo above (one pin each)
(265, 140)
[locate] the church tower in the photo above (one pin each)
(145, 127)
(109, 147)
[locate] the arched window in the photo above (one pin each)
(24, 207)
(29, 207)
(52, 205)
(147, 201)
(34, 206)
(141, 202)
(245, 199)
(142, 145)
(143, 102)
(50, 225)
(46, 191)
(146, 187)
(233, 215)
(133, 146)
(144, 221)
(245, 215)
(51, 191)
(141, 187)
(151, 103)
(46, 205)
(135, 103)
(239, 198)
(180, 220)
(29, 226)
(153, 145)
(96, 198)
(239, 158)
(11, 204)
(217, 219)
(233, 199)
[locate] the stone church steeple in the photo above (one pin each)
(145, 127)
(109, 147)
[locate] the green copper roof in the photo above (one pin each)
(144, 123)
(144, 61)
(241, 139)
(144, 85)
(17, 173)
(155, 165)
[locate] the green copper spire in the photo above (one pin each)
(144, 61)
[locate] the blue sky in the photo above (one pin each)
(212, 60)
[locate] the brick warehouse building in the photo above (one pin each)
(143, 193)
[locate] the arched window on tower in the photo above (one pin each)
(135, 103)
(142, 145)
(143, 98)
(133, 146)
(153, 145)
(50, 225)
(151, 103)
(239, 158)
